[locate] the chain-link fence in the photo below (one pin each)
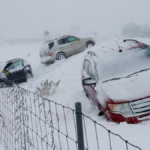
(31, 122)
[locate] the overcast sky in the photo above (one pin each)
(30, 18)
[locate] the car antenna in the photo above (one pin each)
(120, 50)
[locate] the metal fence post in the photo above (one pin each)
(79, 124)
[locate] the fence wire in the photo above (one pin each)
(31, 122)
(103, 138)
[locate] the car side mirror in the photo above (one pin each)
(85, 75)
(89, 82)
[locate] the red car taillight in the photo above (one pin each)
(50, 54)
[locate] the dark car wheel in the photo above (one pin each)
(61, 56)
(101, 113)
(28, 76)
(98, 107)
(89, 44)
(3, 85)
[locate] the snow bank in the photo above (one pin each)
(70, 90)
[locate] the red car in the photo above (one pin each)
(116, 79)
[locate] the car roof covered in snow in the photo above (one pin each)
(13, 60)
(56, 39)
(144, 40)
(116, 47)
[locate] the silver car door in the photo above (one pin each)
(76, 44)
(81, 46)
(64, 46)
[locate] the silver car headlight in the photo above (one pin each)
(124, 109)
(3, 75)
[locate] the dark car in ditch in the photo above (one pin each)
(14, 71)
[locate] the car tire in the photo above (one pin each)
(28, 76)
(89, 44)
(3, 85)
(61, 56)
(101, 113)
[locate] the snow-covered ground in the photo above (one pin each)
(1, 147)
(70, 89)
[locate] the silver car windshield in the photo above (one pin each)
(120, 65)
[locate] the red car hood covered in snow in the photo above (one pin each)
(128, 89)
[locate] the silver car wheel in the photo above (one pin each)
(61, 57)
(90, 45)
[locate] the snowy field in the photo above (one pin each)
(70, 89)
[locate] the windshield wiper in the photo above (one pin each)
(137, 72)
(128, 76)
(112, 79)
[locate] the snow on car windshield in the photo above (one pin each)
(123, 64)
